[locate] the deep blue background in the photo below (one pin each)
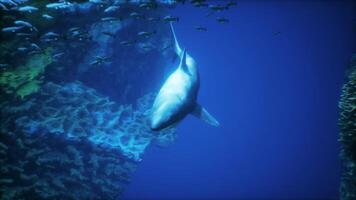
(275, 96)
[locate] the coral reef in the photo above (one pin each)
(70, 138)
(25, 79)
(347, 136)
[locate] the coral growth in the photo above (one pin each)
(70, 138)
(25, 79)
(347, 138)
(78, 112)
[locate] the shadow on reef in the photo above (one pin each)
(70, 138)
(347, 136)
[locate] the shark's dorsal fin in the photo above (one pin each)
(183, 61)
(202, 114)
(177, 48)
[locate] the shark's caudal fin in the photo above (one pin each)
(177, 48)
(202, 114)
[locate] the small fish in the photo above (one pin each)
(95, 62)
(200, 28)
(105, 19)
(101, 57)
(153, 19)
(146, 34)
(169, 18)
(197, 1)
(74, 29)
(127, 43)
(218, 7)
(25, 24)
(3, 7)
(148, 5)
(147, 46)
(82, 36)
(116, 2)
(8, 2)
(11, 29)
(98, 1)
(46, 16)
(77, 33)
(200, 4)
(111, 9)
(28, 9)
(58, 55)
(51, 34)
(109, 34)
(22, 49)
(222, 20)
(99, 60)
(59, 6)
(35, 46)
(136, 15)
(33, 52)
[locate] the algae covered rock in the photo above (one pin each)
(25, 80)
(347, 138)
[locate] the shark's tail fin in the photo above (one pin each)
(202, 114)
(177, 48)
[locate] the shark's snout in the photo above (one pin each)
(155, 123)
(154, 126)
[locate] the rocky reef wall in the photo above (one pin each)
(77, 83)
(347, 137)
(70, 138)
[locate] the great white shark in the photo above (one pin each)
(178, 95)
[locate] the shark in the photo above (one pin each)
(177, 96)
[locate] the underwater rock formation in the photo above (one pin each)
(70, 138)
(76, 86)
(347, 138)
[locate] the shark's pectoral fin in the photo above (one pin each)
(202, 114)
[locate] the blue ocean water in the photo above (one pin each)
(272, 77)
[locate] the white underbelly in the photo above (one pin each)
(173, 96)
(175, 89)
